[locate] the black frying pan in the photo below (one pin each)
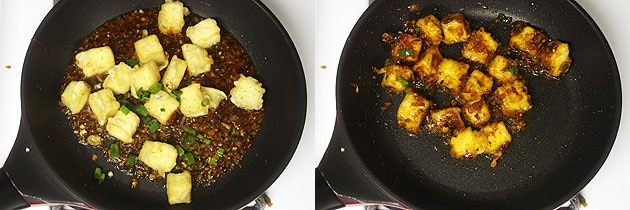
(56, 168)
(570, 129)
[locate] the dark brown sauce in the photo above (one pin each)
(228, 127)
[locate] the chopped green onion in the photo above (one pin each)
(180, 150)
(205, 102)
(131, 160)
(155, 88)
(132, 62)
(162, 109)
(388, 62)
(124, 109)
(189, 129)
(153, 125)
(142, 110)
(114, 150)
(402, 81)
(124, 102)
(565, 67)
(99, 175)
(213, 160)
(176, 94)
(233, 132)
(143, 95)
(189, 158)
(220, 151)
(203, 139)
(405, 52)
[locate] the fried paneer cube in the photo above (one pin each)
(197, 59)
(123, 125)
(95, 60)
(174, 73)
(451, 74)
(179, 187)
(526, 38)
(513, 99)
(480, 47)
(215, 96)
(554, 57)
(407, 48)
(75, 95)
(455, 28)
(205, 33)
(498, 139)
(119, 78)
(396, 78)
(247, 93)
(446, 121)
(149, 49)
(430, 29)
(160, 156)
(171, 17)
(103, 105)
(477, 85)
(143, 76)
(412, 110)
(427, 67)
(192, 104)
(467, 144)
(476, 113)
(503, 69)
(162, 106)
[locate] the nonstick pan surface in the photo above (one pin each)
(570, 129)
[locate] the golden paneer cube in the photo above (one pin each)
(513, 99)
(118, 78)
(407, 48)
(95, 61)
(427, 67)
(103, 105)
(468, 144)
(205, 33)
(75, 95)
(498, 139)
(178, 187)
(455, 28)
(197, 59)
(192, 101)
(396, 78)
(160, 156)
(174, 73)
(171, 17)
(149, 49)
(477, 85)
(554, 57)
(430, 29)
(412, 111)
(525, 38)
(447, 120)
(162, 106)
(503, 69)
(214, 96)
(480, 47)
(123, 126)
(451, 74)
(476, 113)
(247, 93)
(143, 76)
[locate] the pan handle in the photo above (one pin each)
(10, 197)
(325, 197)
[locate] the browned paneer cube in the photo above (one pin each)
(430, 29)
(427, 67)
(480, 47)
(477, 85)
(407, 48)
(554, 57)
(412, 111)
(451, 74)
(476, 113)
(446, 121)
(467, 144)
(526, 38)
(455, 28)
(513, 99)
(503, 69)
(498, 139)
(396, 78)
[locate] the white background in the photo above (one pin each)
(319, 29)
